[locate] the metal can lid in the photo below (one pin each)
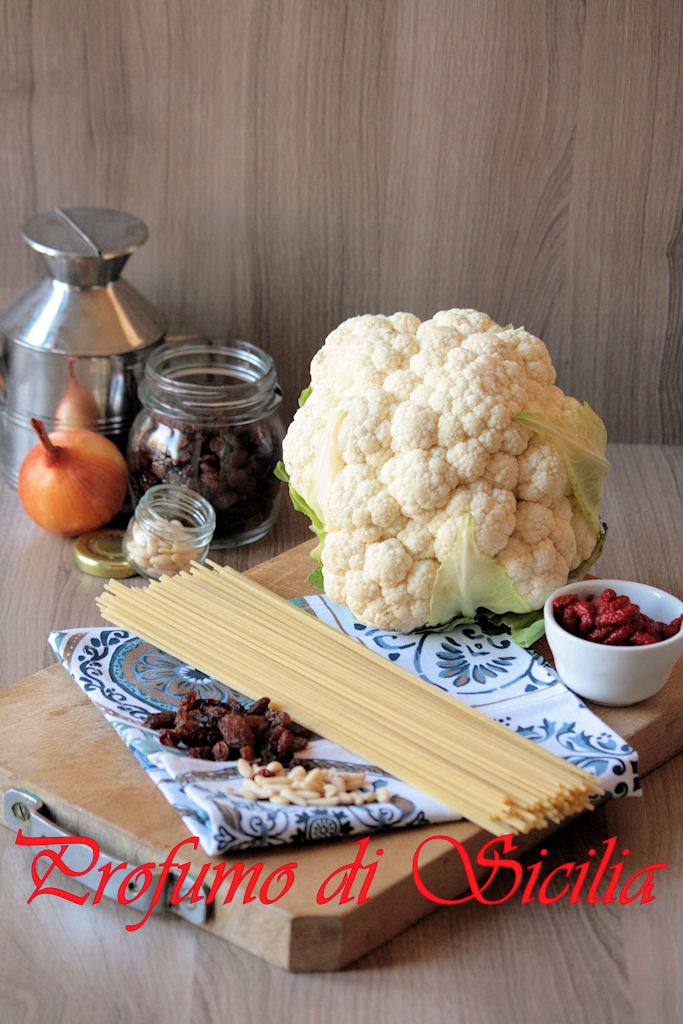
(83, 232)
(100, 553)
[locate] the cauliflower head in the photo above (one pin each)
(442, 469)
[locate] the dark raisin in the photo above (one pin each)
(190, 734)
(169, 738)
(236, 731)
(259, 707)
(160, 720)
(285, 744)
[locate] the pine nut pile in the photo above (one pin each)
(319, 787)
(159, 555)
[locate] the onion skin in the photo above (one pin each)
(77, 408)
(72, 481)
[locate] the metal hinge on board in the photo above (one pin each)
(22, 810)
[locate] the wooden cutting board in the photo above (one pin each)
(90, 783)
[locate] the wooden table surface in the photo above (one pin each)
(469, 963)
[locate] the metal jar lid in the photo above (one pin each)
(100, 553)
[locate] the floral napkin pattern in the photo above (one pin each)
(127, 679)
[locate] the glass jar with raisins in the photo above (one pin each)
(210, 421)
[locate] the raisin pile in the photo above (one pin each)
(611, 619)
(227, 730)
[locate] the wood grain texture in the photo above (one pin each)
(300, 161)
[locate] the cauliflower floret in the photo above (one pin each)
(494, 516)
(537, 522)
(430, 446)
(385, 511)
(354, 588)
(449, 431)
(436, 345)
(364, 426)
(397, 606)
(401, 384)
(466, 321)
(564, 540)
(493, 509)
(542, 474)
(417, 538)
(387, 562)
(535, 571)
(534, 353)
(418, 479)
(534, 522)
(360, 353)
(413, 426)
(502, 470)
(343, 551)
(487, 343)
(468, 459)
(405, 323)
(349, 497)
(515, 440)
(419, 583)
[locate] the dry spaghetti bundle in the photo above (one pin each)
(237, 631)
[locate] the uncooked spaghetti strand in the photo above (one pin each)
(573, 770)
(456, 748)
(184, 638)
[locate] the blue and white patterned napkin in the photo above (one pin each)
(127, 679)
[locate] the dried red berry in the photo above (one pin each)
(648, 625)
(586, 614)
(563, 600)
(598, 634)
(570, 619)
(620, 635)
(672, 628)
(641, 639)
(620, 616)
(605, 597)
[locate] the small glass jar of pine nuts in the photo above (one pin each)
(172, 526)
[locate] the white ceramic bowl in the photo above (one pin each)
(615, 675)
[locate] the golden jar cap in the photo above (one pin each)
(100, 553)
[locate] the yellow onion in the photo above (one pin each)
(72, 481)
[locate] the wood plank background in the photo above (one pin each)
(300, 161)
